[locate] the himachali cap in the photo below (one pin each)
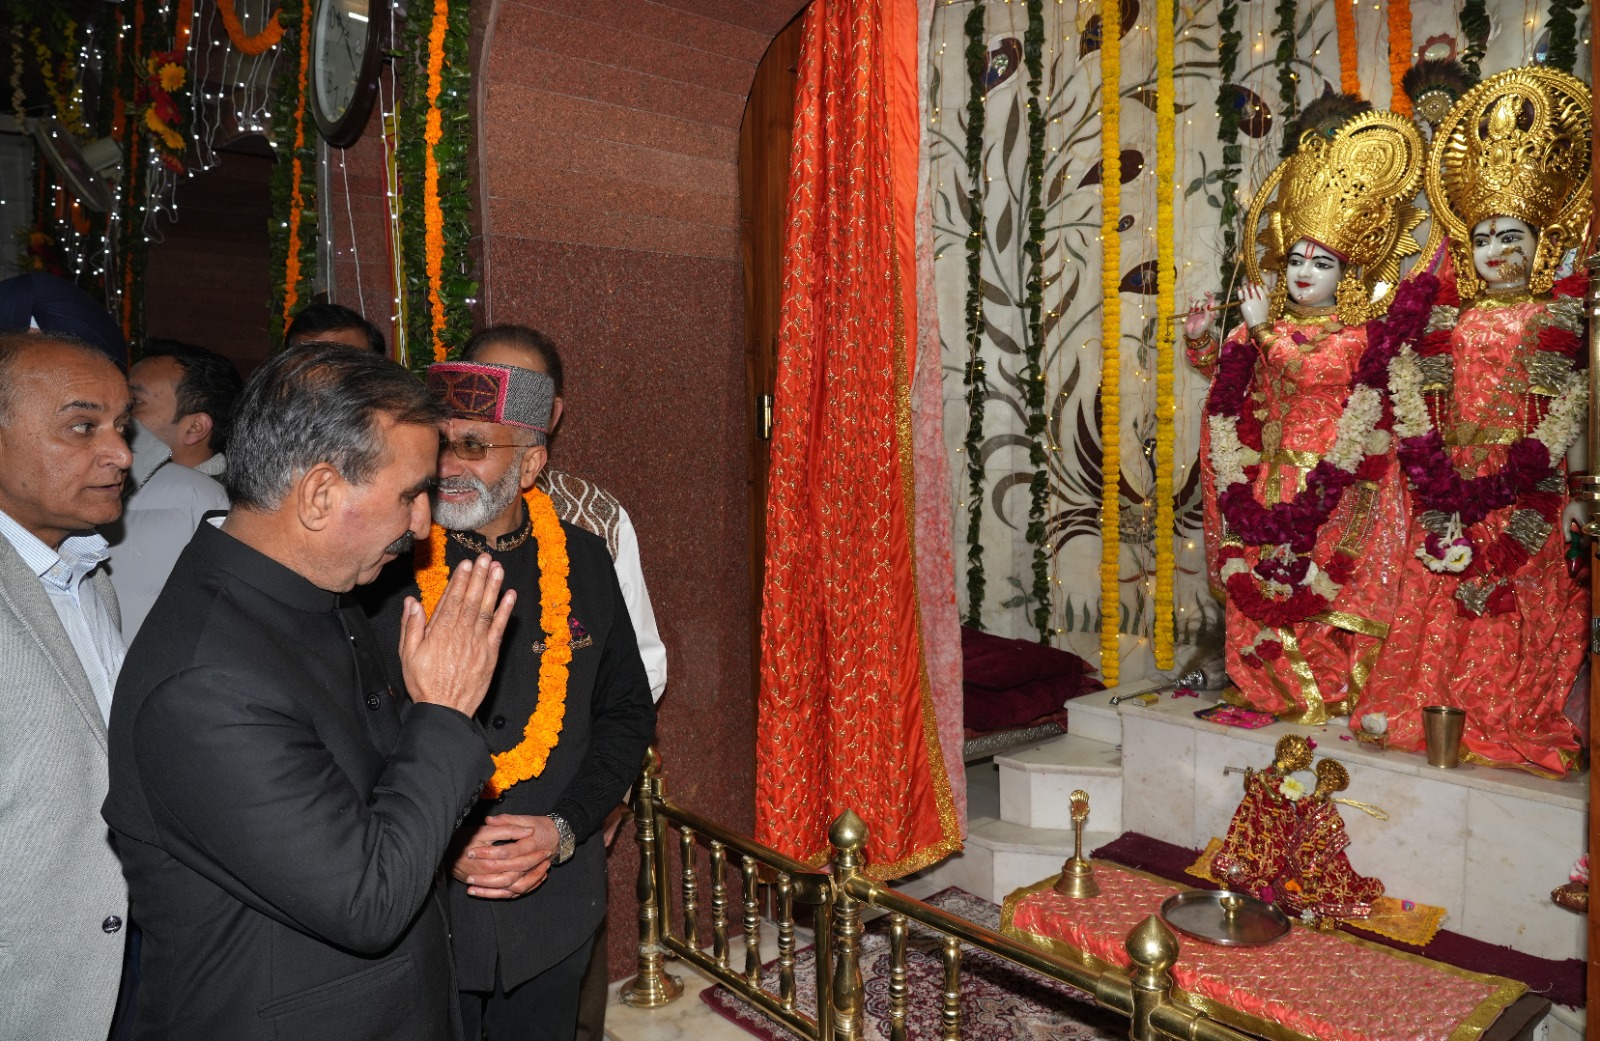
(495, 393)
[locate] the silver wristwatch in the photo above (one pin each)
(567, 842)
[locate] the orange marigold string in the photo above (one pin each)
(543, 730)
(184, 26)
(1344, 14)
(1399, 54)
(433, 217)
(244, 43)
(297, 202)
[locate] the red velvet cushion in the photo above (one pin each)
(1010, 683)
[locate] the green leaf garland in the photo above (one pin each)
(1475, 28)
(1284, 59)
(1032, 374)
(976, 380)
(1228, 109)
(1562, 24)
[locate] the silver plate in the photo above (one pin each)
(1199, 913)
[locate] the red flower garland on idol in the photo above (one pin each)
(1286, 586)
(1523, 481)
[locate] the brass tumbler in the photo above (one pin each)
(1441, 729)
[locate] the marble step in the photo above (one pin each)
(1001, 857)
(1037, 781)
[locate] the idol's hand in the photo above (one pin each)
(449, 659)
(509, 855)
(1199, 321)
(1253, 304)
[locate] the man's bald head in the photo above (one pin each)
(13, 346)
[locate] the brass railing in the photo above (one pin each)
(837, 896)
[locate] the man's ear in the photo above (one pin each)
(555, 415)
(194, 428)
(533, 461)
(317, 496)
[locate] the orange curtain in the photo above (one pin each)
(846, 720)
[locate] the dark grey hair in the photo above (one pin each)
(307, 407)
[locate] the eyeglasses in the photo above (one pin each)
(469, 449)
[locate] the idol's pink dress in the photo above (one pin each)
(1299, 393)
(1511, 671)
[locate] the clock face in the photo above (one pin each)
(343, 67)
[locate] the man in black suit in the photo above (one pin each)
(281, 813)
(528, 887)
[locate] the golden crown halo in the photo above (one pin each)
(1516, 145)
(1351, 193)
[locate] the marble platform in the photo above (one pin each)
(1488, 845)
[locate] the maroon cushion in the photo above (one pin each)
(1011, 683)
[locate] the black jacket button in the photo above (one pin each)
(498, 722)
(111, 924)
(373, 701)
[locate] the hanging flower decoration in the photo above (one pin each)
(1110, 341)
(159, 92)
(1033, 352)
(293, 266)
(975, 376)
(243, 42)
(1451, 507)
(1400, 57)
(1344, 15)
(1166, 307)
(433, 216)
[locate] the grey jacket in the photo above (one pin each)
(61, 886)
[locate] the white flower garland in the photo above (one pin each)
(1405, 392)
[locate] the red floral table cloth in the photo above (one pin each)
(1308, 986)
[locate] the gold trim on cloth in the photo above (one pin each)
(1480, 1019)
(1291, 457)
(1353, 623)
(1464, 434)
(940, 778)
(1315, 711)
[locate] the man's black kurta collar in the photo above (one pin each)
(256, 569)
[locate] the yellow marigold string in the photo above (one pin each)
(1399, 54)
(433, 217)
(543, 731)
(1344, 16)
(1110, 336)
(1166, 306)
(297, 203)
(244, 43)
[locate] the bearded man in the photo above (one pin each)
(569, 713)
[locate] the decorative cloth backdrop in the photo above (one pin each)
(1283, 56)
(846, 710)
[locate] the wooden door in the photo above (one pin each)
(764, 193)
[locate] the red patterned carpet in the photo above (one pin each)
(998, 1001)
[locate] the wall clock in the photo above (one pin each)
(345, 56)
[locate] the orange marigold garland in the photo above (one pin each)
(291, 276)
(1400, 59)
(433, 216)
(1344, 14)
(543, 730)
(244, 43)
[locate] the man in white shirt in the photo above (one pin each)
(64, 409)
(182, 404)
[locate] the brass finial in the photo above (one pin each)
(1077, 876)
(1152, 946)
(849, 832)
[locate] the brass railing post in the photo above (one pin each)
(848, 836)
(1154, 950)
(653, 987)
